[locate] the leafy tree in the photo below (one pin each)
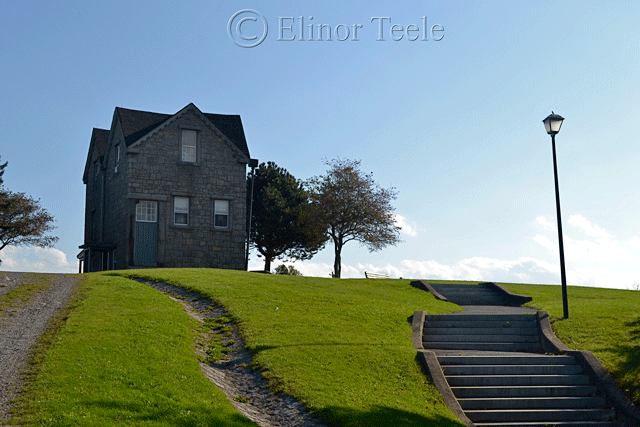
(354, 207)
(23, 221)
(283, 222)
(287, 271)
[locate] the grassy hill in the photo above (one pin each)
(124, 353)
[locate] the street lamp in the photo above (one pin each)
(253, 164)
(552, 124)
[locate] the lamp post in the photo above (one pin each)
(253, 164)
(552, 124)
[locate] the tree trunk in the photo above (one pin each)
(267, 264)
(337, 264)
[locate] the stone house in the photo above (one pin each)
(166, 190)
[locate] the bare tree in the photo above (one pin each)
(354, 207)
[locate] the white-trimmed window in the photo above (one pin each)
(147, 211)
(221, 213)
(181, 211)
(189, 143)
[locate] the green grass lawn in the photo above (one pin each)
(125, 354)
(603, 321)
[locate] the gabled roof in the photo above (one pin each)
(136, 124)
(99, 139)
(231, 127)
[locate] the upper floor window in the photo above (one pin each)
(189, 139)
(221, 214)
(181, 211)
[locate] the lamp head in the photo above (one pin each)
(552, 123)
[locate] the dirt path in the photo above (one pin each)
(23, 322)
(245, 388)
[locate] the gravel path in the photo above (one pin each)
(19, 331)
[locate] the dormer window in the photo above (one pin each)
(189, 143)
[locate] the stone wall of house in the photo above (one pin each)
(155, 171)
(116, 213)
(92, 209)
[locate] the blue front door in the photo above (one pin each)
(146, 232)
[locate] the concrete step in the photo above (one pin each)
(484, 346)
(549, 416)
(480, 293)
(469, 295)
(524, 391)
(481, 317)
(456, 286)
(511, 369)
(555, 424)
(471, 300)
(481, 338)
(483, 331)
(532, 403)
(453, 324)
(530, 359)
(517, 380)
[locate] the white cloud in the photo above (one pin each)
(35, 259)
(634, 242)
(546, 242)
(410, 229)
(545, 223)
(586, 227)
(593, 257)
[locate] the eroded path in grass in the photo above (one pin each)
(27, 302)
(246, 388)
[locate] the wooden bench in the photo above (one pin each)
(375, 275)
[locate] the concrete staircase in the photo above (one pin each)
(495, 368)
(525, 390)
(480, 294)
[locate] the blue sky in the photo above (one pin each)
(454, 125)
